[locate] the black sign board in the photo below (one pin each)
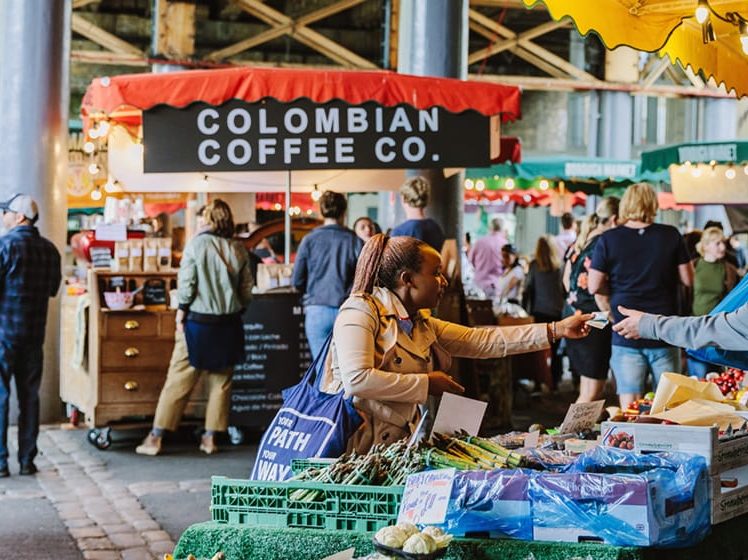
(270, 135)
(154, 291)
(277, 355)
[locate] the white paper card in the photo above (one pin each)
(426, 497)
(345, 555)
(111, 232)
(532, 439)
(458, 413)
(581, 416)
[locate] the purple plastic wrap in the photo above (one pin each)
(624, 498)
(494, 502)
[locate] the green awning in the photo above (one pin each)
(734, 151)
(588, 175)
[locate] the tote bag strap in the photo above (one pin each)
(311, 372)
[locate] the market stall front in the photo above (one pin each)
(276, 131)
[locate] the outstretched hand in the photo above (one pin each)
(628, 327)
(574, 326)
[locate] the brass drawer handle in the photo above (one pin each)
(131, 386)
(132, 352)
(131, 325)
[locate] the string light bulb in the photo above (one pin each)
(316, 195)
(96, 194)
(93, 168)
(205, 183)
(480, 185)
(730, 173)
(743, 26)
(702, 11)
(509, 183)
(544, 184)
(469, 184)
(89, 147)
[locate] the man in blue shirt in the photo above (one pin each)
(29, 275)
(324, 269)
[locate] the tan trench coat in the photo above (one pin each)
(372, 359)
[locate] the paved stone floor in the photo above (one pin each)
(108, 505)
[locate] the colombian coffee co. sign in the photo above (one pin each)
(272, 135)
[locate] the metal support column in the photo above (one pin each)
(616, 107)
(432, 41)
(34, 95)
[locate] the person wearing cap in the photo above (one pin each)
(29, 275)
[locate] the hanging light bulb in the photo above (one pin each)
(544, 184)
(743, 26)
(205, 183)
(316, 195)
(509, 183)
(93, 168)
(111, 186)
(687, 165)
(96, 194)
(278, 206)
(702, 11)
(480, 185)
(527, 198)
(89, 147)
(696, 171)
(745, 169)
(103, 128)
(469, 184)
(730, 173)
(93, 133)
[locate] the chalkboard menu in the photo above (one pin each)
(277, 355)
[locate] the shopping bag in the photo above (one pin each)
(730, 358)
(310, 423)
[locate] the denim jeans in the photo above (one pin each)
(23, 362)
(700, 369)
(318, 323)
(632, 366)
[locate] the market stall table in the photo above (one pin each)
(728, 541)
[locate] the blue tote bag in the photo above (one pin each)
(730, 358)
(311, 423)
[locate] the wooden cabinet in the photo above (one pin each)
(127, 357)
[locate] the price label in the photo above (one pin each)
(426, 497)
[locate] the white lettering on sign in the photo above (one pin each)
(716, 152)
(357, 121)
(296, 114)
(239, 121)
(291, 147)
(202, 152)
(266, 148)
(381, 150)
(414, 148)
(599, 169)
(239, 151)
(428, 120)
(400, 120)
(318, 150)
(271, 471)
(344, 150)
(327, 120)
(202, 124)
(264, 128)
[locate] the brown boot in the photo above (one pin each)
(151, 446)
(208, 444)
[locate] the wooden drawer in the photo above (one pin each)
(137, 386)
(168, 324)
(136, 354)
(129, 325)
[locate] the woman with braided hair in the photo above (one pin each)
(390, 354)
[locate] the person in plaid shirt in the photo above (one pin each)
(29, 275)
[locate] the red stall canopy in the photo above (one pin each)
(121, 98)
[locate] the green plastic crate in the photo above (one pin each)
(340, 508)
(300, 465)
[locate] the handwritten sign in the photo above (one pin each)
(581, 416)
(458, 413)
(426, 497)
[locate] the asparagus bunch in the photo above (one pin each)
(467, 452)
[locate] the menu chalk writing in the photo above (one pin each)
(426, 497)
(276, 356)
(581, 417)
